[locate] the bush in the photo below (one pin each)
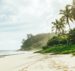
(45, 47)
(53, 41)
(62, 49)
(57, 40)
(72, 36)
(63, 39)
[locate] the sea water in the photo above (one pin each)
(10, 52)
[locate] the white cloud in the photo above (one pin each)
(20, 17)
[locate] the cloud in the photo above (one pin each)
(20, 17)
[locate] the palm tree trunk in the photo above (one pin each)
(69, 26)
(69, 42)
(67, 21)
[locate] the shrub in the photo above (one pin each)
(57, 40)
(72, 36)
(53, 41)
(62, 49)
(63, 39)
(45, 47)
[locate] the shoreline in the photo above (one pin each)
(37, 62)
(11, 53)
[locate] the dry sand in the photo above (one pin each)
(37, 62)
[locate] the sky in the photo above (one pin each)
(21, 17)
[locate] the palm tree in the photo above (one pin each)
(67, 14)
(62, 25)
(73, 10)
(58, 25)
(55, 26)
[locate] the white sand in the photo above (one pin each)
(37, 62)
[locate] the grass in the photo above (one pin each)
(60, 49)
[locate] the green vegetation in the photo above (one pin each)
(59, 49)
(67, 14)
(35, 42)
(72, 36)
(61, 43)
(56, 40)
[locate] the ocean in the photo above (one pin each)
(10, 52)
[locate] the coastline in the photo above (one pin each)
(30, 61)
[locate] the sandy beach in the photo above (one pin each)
(37, 62)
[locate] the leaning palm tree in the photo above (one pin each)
(58, 25)
(73, 13)
(55, 26)
(62, 25)
(73, 9)
(67, 14)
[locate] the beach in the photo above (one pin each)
(30, 61)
